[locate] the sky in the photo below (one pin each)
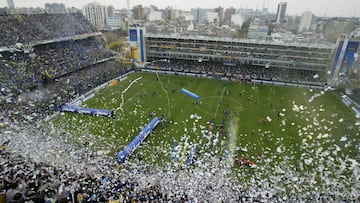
(327, 8)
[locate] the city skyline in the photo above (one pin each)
(326, 8)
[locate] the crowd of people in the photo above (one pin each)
(276, 55)
(24, 28)
(242, 71)
(21, 71)
(35, 81)
(30, 106)
(25, 180)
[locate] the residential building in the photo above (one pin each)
(199, 15)
(110, 11)
(187, 16)
(280, 14)
(114, 22)
(138, 12)
(11, 4)
(146, 13)
(175, 13)
(227, 15)
(237, 20)
(292, 23)
(211, 17)
(220, 12)
(55, 8)
(257, 30)
(155, 16)
(168, 12)
(305, 21)
(96, 14)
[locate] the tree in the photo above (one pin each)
(114, 35)
(271, 27)
(245, 28)
(117, 45)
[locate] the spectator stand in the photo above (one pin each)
(40, 28)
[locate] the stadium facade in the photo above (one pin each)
(137, 43)
(306, 63)
(345, 60)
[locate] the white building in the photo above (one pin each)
(211, 17)
(257, 30)
(283, 36)
(155, 16)
(175, 14)
(305, 21)
(355, 33)
(191, 26)
(114, 22)
(187, 16)
(237, 19)
(96, 14)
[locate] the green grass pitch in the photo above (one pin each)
(277, 125)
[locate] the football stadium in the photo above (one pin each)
(188, 120)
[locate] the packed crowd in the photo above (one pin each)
(23, 28)
(292, 56)
(25, 180)
(30, 106)
(21, 71)
(242, 71)
(33, 83)
(29, 70)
